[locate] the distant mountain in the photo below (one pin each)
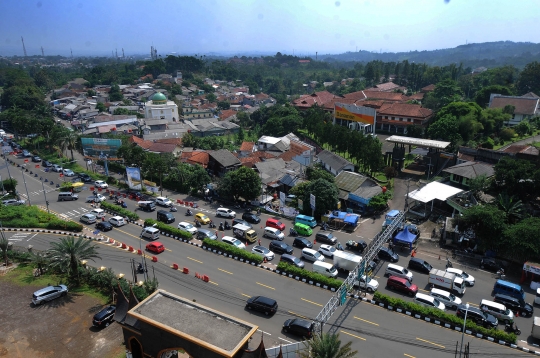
(487, 54)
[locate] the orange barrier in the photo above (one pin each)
(175, 266)
(154, 259)
(185, 270)
(191, 203)
(139, 252)
(112, 241)
(179, 201)
(124, 246)
(205, 278)
(131, 249)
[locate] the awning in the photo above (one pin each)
(434, 190)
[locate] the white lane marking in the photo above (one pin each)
(285, 340)
(264, 332)
(363, 221)
(31, 237)
(75, 211)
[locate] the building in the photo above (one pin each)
(310, 100)
(463, 173)
(334, 163)
(356, 191)
(222, 161)
(395, 117)
(160, 108)
(525, 107)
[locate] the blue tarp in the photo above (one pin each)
(405, 237)
(348, 218)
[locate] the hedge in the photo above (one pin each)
(442, 316)
(119, 210)
(168, 229)
(243, 254)
(310, 276)
(23, 216)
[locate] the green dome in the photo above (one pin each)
(159, 97)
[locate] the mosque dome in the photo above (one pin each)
(159, 98)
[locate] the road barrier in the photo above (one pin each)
(175, 266)
(185, 270)
(154, 259)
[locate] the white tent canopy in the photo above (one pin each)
(433, 190)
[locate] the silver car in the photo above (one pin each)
(13, 202)
(263, 251)
(49, 293)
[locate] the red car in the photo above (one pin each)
(155, 247)
(401, 284)
(275, 223)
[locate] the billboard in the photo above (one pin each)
(350, 112)
(96, 147)
(134, 178)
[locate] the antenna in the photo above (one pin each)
(42, 53)
(123, 55)
(71, 52)
(316, 54)
(24, 48)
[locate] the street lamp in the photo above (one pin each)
(463, 331)
(24, 180)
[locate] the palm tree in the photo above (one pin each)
(4, 245)
(327, 346)
(40, 260)
(67, 254)
(512, 208)
(68, 141)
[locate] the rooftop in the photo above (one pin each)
(426, 143)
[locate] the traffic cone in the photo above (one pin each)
(314, 241)
(517, 313)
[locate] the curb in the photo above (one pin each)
(45, 231)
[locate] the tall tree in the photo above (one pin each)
(67, 254)
(68, 141)
(327, 345)
(486, 221)
(529, 79)
(326, 196)
(243, 182)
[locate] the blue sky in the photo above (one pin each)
(98, 27)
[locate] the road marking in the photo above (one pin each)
(230, 273)
(408, 355)
(168, 249)
(285, 340)
(264, 332)
(213, 283)
(363, 221)
(361, 319)
(258, 283)
(435, 344)
(31, 237)
(75, 211)
(243, 294)
(296, 314)
(314, 303)
(472, 304)
(421, 289)
(352, 335)
(195, 260)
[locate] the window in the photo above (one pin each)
(161, 111)
(393, 118)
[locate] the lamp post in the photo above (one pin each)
(45, 195)
(463, 331)
(24, 180)
(7, 165)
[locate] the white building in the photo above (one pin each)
(160, 108)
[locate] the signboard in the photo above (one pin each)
(350, 112)
(361, 270)
(300, 204)
(282, 198)
(96, 147)
(312, 201)
(134, 178)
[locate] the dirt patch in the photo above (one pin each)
(60, 328)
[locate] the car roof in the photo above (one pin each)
(302, 322)
(307, 249)
(117, 217)
(266, 300)
(262, 248)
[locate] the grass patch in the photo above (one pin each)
(23, 216)
(381, 177)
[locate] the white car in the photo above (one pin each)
(327, 250)
(232, 241)
(101, 184)
(13, 202)
(56, 168)
(98, 198)
(469, 280)
(371, 286)
(428, 301)
(263, 251)
(187, 227)
(312, 255)
(117, 221)
(160, 200)
(226, 213)
(448, 298)
(68, 172)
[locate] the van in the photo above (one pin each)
(275, 223)
(509, 289)
(306, 220)
(150, 233)
(66, 196)
(98, 213)
(303, 229)
(165, 216)
(273, 233)
(498, 310)
(325, 268)
(147, 205)
(396, 270)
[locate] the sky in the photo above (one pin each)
(299, 27)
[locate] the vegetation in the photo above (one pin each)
(326, 345)
(23, 216)
(309, 276)
(243, 182)
(66, 256)
(174, 232)
(231, 250)
(119, 210)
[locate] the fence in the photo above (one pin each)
(288, 351)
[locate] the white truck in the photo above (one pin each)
(244, 232)
(535, 332)
(446, 280)
(345, 261)
(372, 284)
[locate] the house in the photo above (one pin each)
(356, 190)
(201, 158)
(385, 87)
(428, 88)
(318, 98)
(525, 107)
(300, 152)
(334, 163)
(227, 115)
(279, 175)
(385, 96)
(273, 144)
(222, 161)
(160, 148)
(144, 144)
(246, 148)
(395, 117)
(463, 173)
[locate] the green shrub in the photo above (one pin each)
(507, 134)
(64, 225)
(489, 143)
(24, 216)
(310, 276)
(243, 254)
(168, 229)
(119, 210)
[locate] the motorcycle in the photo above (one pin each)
(227, 226)
(339, 247)
(259, 212)
(211, 225)
(292, 232)
(124, 205)
(140, 268)
(197, 223)
(512, 328)
(221, 228)
(189, 213)
(173, 209)
(500, 274)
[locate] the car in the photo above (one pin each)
(206, 234)
(428, 301)
(250, 217)
(26, 153)
(49, 293)
(187, 227)
(290, 198)
(68, 172)
(225, 213)
(117, 221)
(299, 327)
(263, 251)
(302, 242)
(88, 218)
(262, 304)
(420, 265)
(155, 247)
(489, 263)
(387, 254)
(312, 255)
(358, 246)
(280, 247)
(104, 317)
(478, 316)
(401, 284)
(396, 270)
(101, 184)
(98, 198)
(469, 280)
(46, 163)
(85, 177)
(13, 202)
(104, 226)
(57, 168)
(234, 242)
(326, 237)
(203, 219)
(292, 260)
(449, 299)
(327, 250)
(162, 201)
(241, 222)
(36, 159)
(525, 309)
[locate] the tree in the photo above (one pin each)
(520, 241)
(493, 119)
(445, 128)
(523, 128)
(414, 131)
(326, 345)
(314, 173)
(223, 105)
(198, 177)
(486, 221)
(101, 107)
(446, 92)
(512, 207)
(529, 79)
(40, 260)
(4, 245)
(114, 94)
(482, 96)
(67, 254)
(379, 202)
(515, 176)
(478, 184)
(243, 182)
(326, 196)
(211, 97)
(68, 141)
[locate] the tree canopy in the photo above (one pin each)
(243, 182)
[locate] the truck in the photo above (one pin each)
(244, 232)
(446, 280)
(146, 205)
(372, 285)
(535, 332)
(345, 261)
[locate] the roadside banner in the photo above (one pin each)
(134, 178)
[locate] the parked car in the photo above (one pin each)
(101, 184)
(419, 265)
(326, 236)
(202, 218)
(262, 304)
(46, 164)
(263, 252)
(302, 242)
(489, 263)
(250, 217)
(162, 201)
(280, 247)
(478, 316)
(36, 159)
(187, 227)
(299, 327)
(401, 284)
(49, 293)
(68, 172)
(104, 226)
(56, 168)
(515, 304)
(242, 222)
(327, 250)
(234, 242)
(155, 247)
(104, 317)
(85, 177)
(88, 218)
(26, 153)
(98, 198)
(388, 254)
(13, 202)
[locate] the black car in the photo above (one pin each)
(302, 242)
(280, 247)
(388, 254)
(419, 265)
(252, 218)
(85, 177)
(104, 226)
(243, 222)
(514, 304)
(478, 316)
(104, 317)
(489, 263)
(36, 159)
(359, 245)
(262, 304)
(299, 327)
(326, 236)
(46, 163)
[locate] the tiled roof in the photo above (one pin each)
(162, 148)
(417, 96)
(249, 161)
(471, 170)
(387, 96)
(296, 148)
(317, 98)
(144, 144)
(530, 95)
(517, 148)
(428, 88)
(227, 113)
(385, 87)
(356, 96)
(176, 141)
(405, 110)
(201, 158)
(523, 105)
(247, 146)
(224, 157)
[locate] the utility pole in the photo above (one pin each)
(23, 47)
(407, 197)
(123, 55)
(70, 49)
(42, 53)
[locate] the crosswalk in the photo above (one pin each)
(36, 193)
(78, 212)
(21, 236)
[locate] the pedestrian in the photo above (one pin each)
(259, 242)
